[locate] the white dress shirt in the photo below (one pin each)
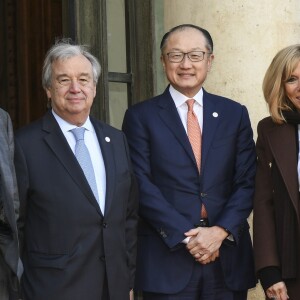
(91, 141)
(182, 108)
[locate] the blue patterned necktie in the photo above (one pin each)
(83, 156)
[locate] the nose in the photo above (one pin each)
(185, 63)
(74, 87)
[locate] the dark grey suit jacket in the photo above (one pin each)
(9, 253)
(68, 245)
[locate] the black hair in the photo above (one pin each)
(210, 44)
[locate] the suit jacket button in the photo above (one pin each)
(102, 257)
(104, 225)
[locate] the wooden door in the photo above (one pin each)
(27, 29)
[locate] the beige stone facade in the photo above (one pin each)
(246, 34)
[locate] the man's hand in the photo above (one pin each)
(277, 291)
(131, 295)
(205, 242)
(212, 258)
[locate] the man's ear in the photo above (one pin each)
(48, 93)
(163, 62)
(210, 60)
(95, 88)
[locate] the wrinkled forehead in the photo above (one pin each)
(72, 64)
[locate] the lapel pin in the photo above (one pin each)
(107, 139)
(270, 164)
(215, 114)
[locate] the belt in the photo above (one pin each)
(203, 222)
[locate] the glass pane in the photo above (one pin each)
(118, 103)
(116, 36)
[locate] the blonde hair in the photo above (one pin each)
(280, 69)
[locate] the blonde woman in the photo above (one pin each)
(276, 202)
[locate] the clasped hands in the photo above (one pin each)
(205, 242)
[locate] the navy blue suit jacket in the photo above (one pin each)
(172, 191)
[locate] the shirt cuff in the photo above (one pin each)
(186, 240)
(230, 236)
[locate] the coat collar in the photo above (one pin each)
(169, 115)
(211, 118)
(282, 140)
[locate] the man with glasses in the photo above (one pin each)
(194, 158)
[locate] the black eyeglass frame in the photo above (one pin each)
(188, 55)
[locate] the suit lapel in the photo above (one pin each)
(169, 115)
(283, 146)
(211, 117)
(105, 140)
(60, 147)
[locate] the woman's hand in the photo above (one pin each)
(277, 291)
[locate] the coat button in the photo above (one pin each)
(102, 257)
(104, 225)
(203, 195)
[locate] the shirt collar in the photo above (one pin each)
(65, 126)
(180, 99)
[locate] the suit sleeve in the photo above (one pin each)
(131, 222)
(22, 180)
(9, 157)
(154, 208)
(9, 193)
(240, 201)
(12, 152)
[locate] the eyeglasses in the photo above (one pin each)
(194, 56)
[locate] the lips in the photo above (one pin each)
(186, 75)
(75, 99)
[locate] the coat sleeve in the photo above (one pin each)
(243, 163)
(264, 232)
(131, 222)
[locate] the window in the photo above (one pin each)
(122, 36)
